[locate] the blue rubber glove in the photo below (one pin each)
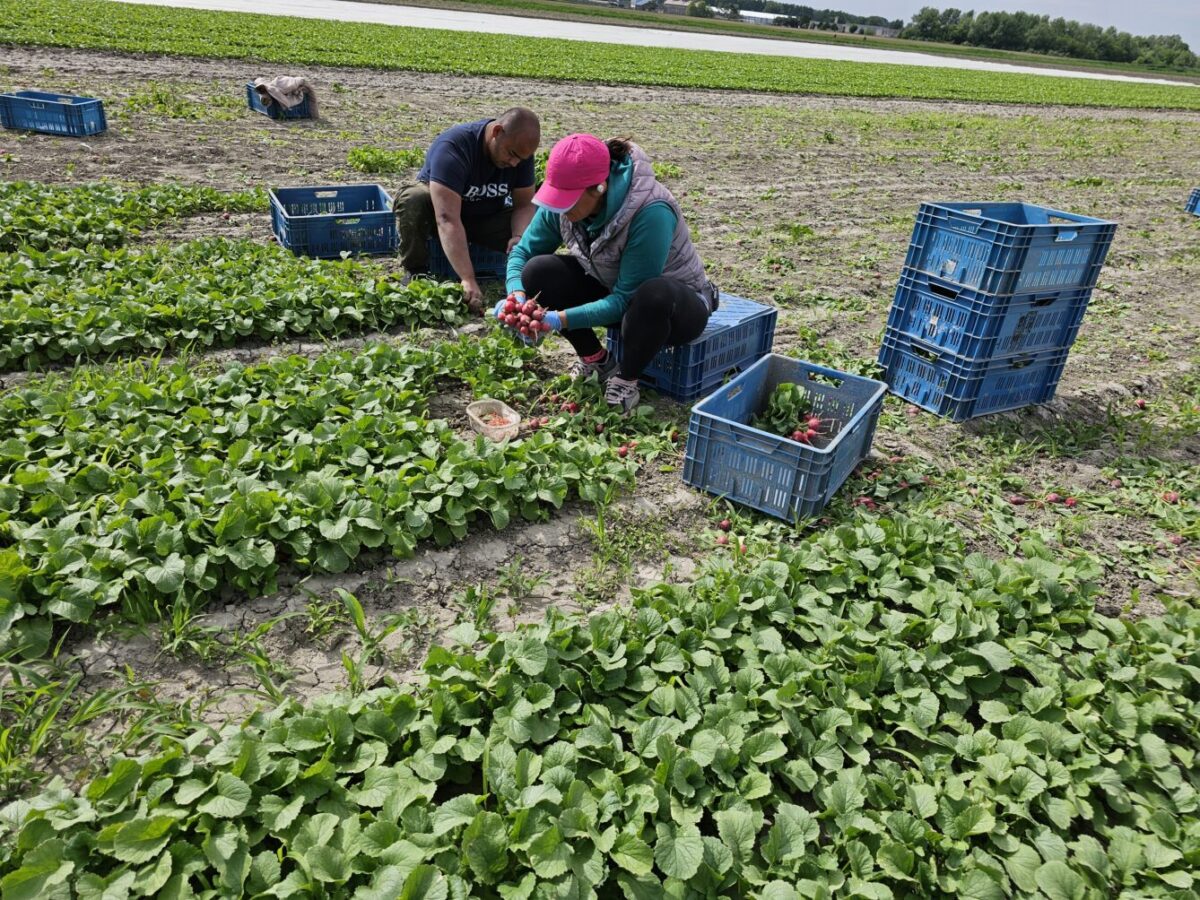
(499, 310)
(553, 319)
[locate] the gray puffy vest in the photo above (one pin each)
(601, 257)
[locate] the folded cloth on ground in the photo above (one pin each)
(287, 91)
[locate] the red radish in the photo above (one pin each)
(1170, 496)
(599, 428)
(724, 524)
(510, 305)
(1177, 539)
(722, 539)
(538, 314)
(572, 407)
(675, 435)
(1053, 498)
(743, 549)
(524, 319)
(1115, 483)
(811, 433)
(895, 459)
(902, 484)
(797, 435)
(553, 398)
(814, 423)
(913, 410)
(622, 451)
(225, 216)
(1016, 500)
(1070, 502)
(528, 307)
(1139, 403)
(543, 326)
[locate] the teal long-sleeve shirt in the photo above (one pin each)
(645, 256)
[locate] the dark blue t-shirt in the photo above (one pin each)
(458, 159)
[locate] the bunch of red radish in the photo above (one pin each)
(808, 430)
(524, 317)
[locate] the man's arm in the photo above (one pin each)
(522, 214)
(447, 212)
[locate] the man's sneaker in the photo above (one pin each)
(581, 370)
(622, 394)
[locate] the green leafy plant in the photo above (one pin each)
(788, 408)
(873, 712)
(378, 160)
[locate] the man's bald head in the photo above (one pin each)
(513, 136)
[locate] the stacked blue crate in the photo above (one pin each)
(1193, 204)
(988, 305)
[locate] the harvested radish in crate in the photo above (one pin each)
(783, 436)
(524, 317)
(790, 413)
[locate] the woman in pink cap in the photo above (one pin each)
(631, 261)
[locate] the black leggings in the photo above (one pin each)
(662, 311)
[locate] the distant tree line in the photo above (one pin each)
(1041, 34)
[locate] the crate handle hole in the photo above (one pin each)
(942, 291)
(1045, 301)
(924, 353)
(325, 193)
(1064, 236)
(1022, 363)
(736, 392)
(347, 221)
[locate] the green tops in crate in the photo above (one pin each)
(787, 478)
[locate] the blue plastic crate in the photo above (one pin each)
(327, 221)
(727, 457)
(274, 110)
(737, 335)
(1193, 204)
(52, 113)
(1008, 248)
(488, 264)
(960, 389)
(976, 325)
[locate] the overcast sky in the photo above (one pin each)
(1180, 17)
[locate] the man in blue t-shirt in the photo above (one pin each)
(476, 186)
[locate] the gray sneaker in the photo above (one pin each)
(622, 394)
(581, 370)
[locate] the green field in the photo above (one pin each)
(276, 621)
(95, 24)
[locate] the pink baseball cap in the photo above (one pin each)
(576, 163)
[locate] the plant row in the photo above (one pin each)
(134, 28)
(119, 490)
(77, 303)
(44, 217)
(871, 713)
